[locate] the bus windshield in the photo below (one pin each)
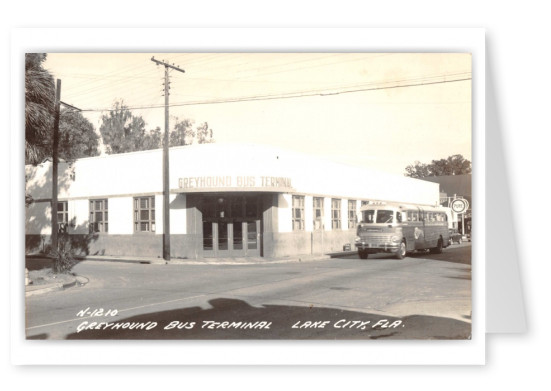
(381, 216)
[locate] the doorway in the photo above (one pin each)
(231, 226)
(231, 239)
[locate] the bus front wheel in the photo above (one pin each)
(363, 254)
(401, 253)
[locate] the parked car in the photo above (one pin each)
(455, 237)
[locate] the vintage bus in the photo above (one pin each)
(400, 228)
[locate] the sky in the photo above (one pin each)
(382, 111)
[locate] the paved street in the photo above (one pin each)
(421, 296)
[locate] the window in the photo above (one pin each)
(318, 212)
(144, 214)
(441, 217)
(352, 221)
(364, 203)
(385, 216)
(298, 213)
(98, 216)
(413, 215)
(368, 216)
(335, 214)
(62, 216)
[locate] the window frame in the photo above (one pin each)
(352, 214)
(104, 210)
(298, 223)
(137, 214)
(62, 216)
(336, 213)
(315, 208)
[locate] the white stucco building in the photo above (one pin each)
(225, 201)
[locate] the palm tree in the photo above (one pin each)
(39, 108)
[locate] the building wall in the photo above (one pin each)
(140, 173)
(285, 217)
(120, 178)
(286, 242)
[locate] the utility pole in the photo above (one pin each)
(166, 188)
(54, 165)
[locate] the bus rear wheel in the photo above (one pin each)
(363, 254)
(401, 253)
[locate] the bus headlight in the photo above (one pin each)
(395, 239)
(357, 239)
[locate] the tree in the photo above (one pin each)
(153, 139)
(39, 108)
(452, 165)
(204, 134)
(121, 130)
(77, 137)
(417, 170)
(182, 134)
(76, 134)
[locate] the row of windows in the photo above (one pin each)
(336, 221)
(144, 215)
(415, 215)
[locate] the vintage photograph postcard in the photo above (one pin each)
(248, 196)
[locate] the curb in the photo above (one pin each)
(214, 261)
(41, 289)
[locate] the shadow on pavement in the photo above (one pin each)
(42, 262)
(460, 255)
(244, 321)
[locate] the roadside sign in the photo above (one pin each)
(460, 205)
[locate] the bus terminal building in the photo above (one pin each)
(225, 201)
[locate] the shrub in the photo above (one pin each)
(64, 258)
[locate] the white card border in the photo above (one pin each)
(25, 352)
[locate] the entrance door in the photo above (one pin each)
(253, 238)
(217, 239)
(238, 236)
(231, 239)
(223, 239)
(231, 225)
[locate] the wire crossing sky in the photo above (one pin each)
(377, 110)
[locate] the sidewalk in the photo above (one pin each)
(32, 290)
(215, 261)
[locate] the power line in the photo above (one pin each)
(293, 95)
(319, 65)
